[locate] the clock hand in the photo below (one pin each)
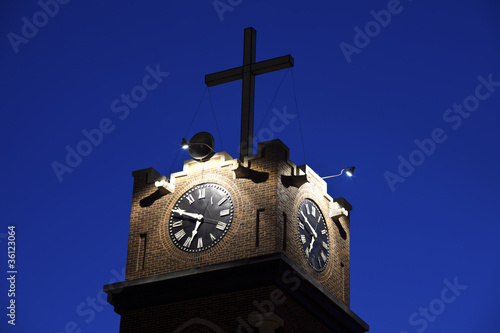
(184, 213)
(206, 220)
(311, 244)
(195, 230)
(309, 224)
(198, 218)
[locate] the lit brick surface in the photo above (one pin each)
(163, 257)
(158, 255)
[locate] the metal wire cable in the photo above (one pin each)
(272, 101)
(198, 109)
(215, 118)
(189, 128)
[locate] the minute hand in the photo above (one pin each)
(184, 213)
(309, 224)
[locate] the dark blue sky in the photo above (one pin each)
(412, 101)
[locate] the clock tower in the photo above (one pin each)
(254, 244)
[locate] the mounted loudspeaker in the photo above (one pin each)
(201, 146)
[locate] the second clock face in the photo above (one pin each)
(313, 235)
(201, 217)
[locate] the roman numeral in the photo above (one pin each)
(323, 232)
(319, 261)
(212, 237)
(224, 212)
(187, 243)
(200, 242)
(221, 226)
(307, 252)
(190, 199)
(301, 225)
(201, 193)
(313, 211)
(212, 200)
(325, 245)
(179, 234)
(323, 255)
(221, 201)
(177, 224)
(303, 239)
(307, 209)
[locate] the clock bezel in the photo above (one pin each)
(229, 219)
(326, 235)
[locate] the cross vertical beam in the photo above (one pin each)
(247, 93)
(247, 74)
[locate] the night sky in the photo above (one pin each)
(408, 92)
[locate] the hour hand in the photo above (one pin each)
(311, 244)
(184, 213)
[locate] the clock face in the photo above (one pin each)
(201, 217)
(313, 235)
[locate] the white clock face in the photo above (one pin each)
(201, 217)
(313, 235)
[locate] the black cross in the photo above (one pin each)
(247, 73)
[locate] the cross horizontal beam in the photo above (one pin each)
(257, 68)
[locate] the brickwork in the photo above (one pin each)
(151, 252)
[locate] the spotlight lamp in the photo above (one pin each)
(348, 171)
(185, 143)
